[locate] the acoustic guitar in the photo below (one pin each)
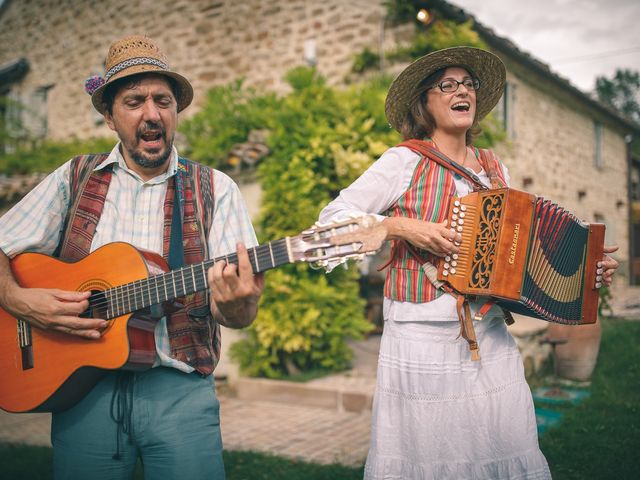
(47, 371)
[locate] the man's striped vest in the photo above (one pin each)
(428, 197)
(194, 335)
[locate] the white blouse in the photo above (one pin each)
(374, 192)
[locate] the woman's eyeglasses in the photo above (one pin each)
(450, 85)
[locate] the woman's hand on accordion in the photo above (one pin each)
(608, 265)
(434, 237)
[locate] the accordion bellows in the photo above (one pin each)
(534, 257)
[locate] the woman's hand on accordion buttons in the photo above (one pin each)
(434, 237)
(608, 265)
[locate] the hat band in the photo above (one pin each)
(133, 62)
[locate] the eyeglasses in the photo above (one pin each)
(450, 85)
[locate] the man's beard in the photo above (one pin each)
(145, 161)
(151, 161)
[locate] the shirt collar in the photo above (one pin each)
(115, 157)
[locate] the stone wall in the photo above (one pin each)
(552, 155)
(211, 42)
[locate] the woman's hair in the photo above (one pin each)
(418, 122)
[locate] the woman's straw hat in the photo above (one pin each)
(132, 55)
(483, 65)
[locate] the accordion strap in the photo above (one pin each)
(466, 326)
(441, 159)
(489, 164)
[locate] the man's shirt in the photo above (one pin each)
(133, 213)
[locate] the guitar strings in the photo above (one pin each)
(134, 291)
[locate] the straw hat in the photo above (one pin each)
(132, 55)
(483, 65)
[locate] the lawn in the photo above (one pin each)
(597, 439)
(20, 462)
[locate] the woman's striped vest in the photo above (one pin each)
(194, 335)
(427, 198)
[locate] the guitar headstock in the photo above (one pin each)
(348, 239)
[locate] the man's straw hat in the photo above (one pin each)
(484, 66)
(132, 55)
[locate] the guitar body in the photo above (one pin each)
(62, 368)
(46, 371)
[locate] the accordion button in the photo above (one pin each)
(453, 271)
(454, 256)
(457, 244)
(454, 263)
(446, 266)
(598, 285)
(454, 217)
(463, 208)
(459, 229)
(456, 209)
(456, 203)
(447, 258)
(599, 271)
(454, 223)
(445, 273)
(461, 222)
(462, 214)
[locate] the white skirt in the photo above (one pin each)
(438, 415)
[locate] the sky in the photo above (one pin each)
(579, 39)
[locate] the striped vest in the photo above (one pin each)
(194, 336)
(428, 197)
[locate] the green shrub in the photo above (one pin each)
(47, 155)
(320, 139)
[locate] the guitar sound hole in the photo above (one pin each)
(97, 306)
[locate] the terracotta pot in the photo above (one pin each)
(576, 358)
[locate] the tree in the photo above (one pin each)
(622, 92)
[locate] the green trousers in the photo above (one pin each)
(167, 418)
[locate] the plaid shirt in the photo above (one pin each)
(132, 213)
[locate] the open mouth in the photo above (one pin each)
(461, 106)
(152, 138)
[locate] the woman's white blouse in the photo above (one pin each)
(374, 192)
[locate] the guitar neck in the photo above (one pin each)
(158, 289)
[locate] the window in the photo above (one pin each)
(11, 127)
(36, 112)
(597, 144)
(505, 109)
(610, 234)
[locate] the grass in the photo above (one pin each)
(597, 439)
(21, 462)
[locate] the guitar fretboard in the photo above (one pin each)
(158, 289)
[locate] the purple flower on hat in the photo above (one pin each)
(92, 83)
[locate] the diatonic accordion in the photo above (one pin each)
(532, 256)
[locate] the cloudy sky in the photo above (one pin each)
(578, 39)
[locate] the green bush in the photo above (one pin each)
(45, 156)
(320, 139)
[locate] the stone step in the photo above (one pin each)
(334, 393)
